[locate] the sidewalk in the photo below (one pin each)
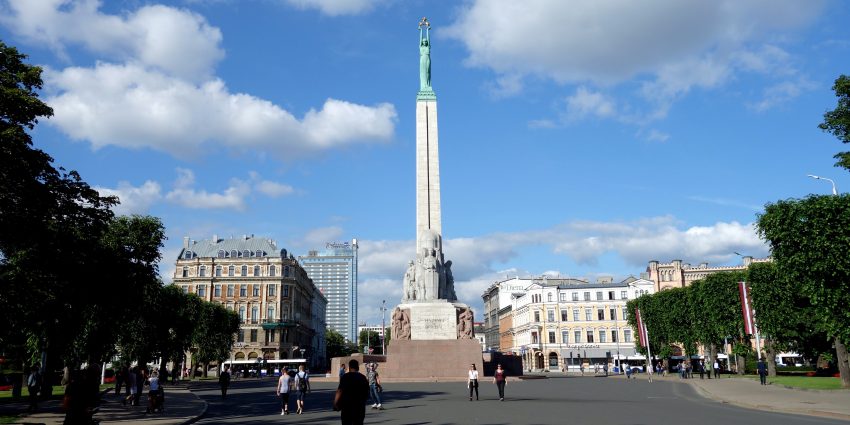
(181, 407)
(750, 394)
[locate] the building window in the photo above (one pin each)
(255, 314)
(185, 272)
(587, 314)
(563, 315)
(233, 253)
(577, 337)
(217, 271)
(575, 315)
(256, 270)
(575, 296)
(549, 297)
(599, 296)
(285, 271)
(220, 253)
(590, 337)
(627, 335)
(614, 337)
(231, 271)
(610, 295)
(563, 296)
(602, 337)
(240, 336)
(202, 272)
(272, 271)
(230, 289)
(187, 255)
(201, 290)
(625, 316)
(256, 291)
(565, 337)
(259, 253)
(623, 295)
(550, 315)
(613, 313)
(285, 290)
(272, 291)
(551, 337)
(600, 314)
(534, 338)
(587, 296)
(270, 335)
(246, 253)
(253, 335)
(270, 312)
(243, 312)
(243, 290)
(244, 271)
(217, 290)
(536, 316)
(185, 289)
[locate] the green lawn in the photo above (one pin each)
(808, 382)
(5, 395)
(8, 419)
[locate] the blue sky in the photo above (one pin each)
(579, 138)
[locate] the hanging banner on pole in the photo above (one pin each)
(642, 334)
(747, 309)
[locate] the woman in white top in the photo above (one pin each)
(282, 391)
(473, 381)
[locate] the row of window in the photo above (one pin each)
(588, 314)
(253, 335)
(271, 290)
(590, 336)
(231, 271)
(600, 296)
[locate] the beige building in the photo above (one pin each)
(506, 329)
(677, 274)
(562, 323)
(282, 312)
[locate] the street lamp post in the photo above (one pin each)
(619, 362)
(383, 327)
(834, 191)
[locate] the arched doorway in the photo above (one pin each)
(553, 361)
(252, 355)
(539, 360)
(239, 356)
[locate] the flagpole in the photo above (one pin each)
(648, 353)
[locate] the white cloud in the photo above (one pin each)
(585, 103)
(780, 93)
(133, 200)
(185, 195)
(317, 238)
(133, 107)
(337, 7)
(657, 136)
(670, 46)
(273, 189)
(177, 41)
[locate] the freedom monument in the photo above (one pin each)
(432, 335)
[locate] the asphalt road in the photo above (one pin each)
(558, 400)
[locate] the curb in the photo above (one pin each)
(198, 416)
(818, 413)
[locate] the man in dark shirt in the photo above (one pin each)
(351, 395)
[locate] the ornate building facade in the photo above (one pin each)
(282, 311)
(677, 274)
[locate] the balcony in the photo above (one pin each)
(274, 324)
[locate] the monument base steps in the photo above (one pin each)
(431, 360)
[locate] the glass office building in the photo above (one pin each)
(334, 271)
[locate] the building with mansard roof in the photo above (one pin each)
(281, 310)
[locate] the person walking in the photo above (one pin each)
(153, 393)
(351, 395)
(374, 385)
(33, 386)
(131, 387)
(500, 378)
(473, 382)
(341, 370)
(224, 381)
(282, 391)
(141, 378)
(761, 366)
(716, 369)
(302, 387)
(701, 367)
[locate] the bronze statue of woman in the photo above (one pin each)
(424, 55)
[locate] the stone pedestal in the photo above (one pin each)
(431, 360)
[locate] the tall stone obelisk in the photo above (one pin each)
(428, 215)
(429, 325)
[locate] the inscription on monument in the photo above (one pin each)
(433, 322)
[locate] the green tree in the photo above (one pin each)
(372, 339)
(716, 309)
(213, 338)
(837, 121)
(336, 346)
(808, 239)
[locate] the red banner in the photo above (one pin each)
(642, 337)
(747, 309)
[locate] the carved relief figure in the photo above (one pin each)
(410, 292)
(424, 55)
(464, 324)
(400, 324)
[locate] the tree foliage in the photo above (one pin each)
(809, 239)
(837, 121)
(336, 346)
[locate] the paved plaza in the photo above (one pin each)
(557, 400)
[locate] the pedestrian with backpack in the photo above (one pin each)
(302, 387)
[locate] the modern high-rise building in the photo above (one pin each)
(334, 271)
